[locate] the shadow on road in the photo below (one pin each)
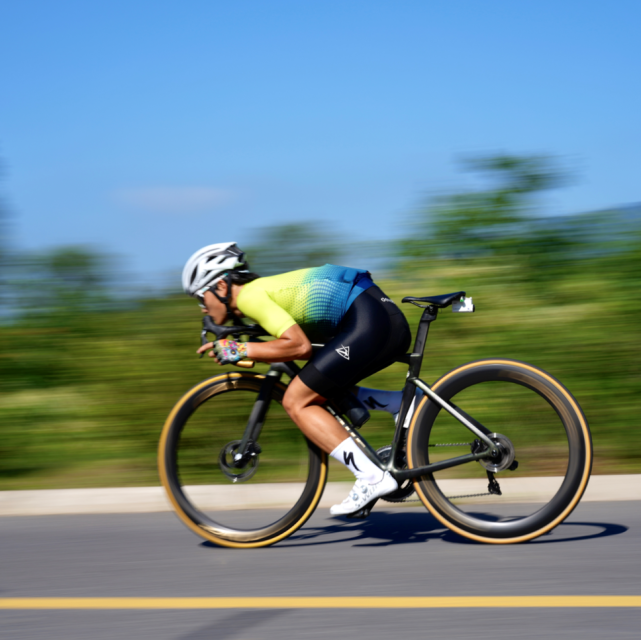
(384, 529)
(560, 533)
(378, 530)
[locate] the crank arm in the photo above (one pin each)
(417, 472)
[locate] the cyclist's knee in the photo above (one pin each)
(289, 403)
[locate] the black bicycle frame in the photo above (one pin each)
(394, 464)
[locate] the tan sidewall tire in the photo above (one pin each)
(426, 487)
(173, 425)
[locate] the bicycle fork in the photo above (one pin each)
(249, 447)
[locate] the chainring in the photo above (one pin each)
(406, 488)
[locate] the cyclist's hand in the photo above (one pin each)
(229, 351)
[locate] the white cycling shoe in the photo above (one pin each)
(363, 493)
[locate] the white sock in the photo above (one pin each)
(351, 455)
(380, 400)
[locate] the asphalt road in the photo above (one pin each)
(398, 552)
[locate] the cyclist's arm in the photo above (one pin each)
(292, 345)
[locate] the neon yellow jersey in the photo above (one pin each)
(316, 299)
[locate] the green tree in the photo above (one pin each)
(494, 220)
(56, 286)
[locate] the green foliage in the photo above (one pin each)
(92, 415)
(55, 287)
(494, 220)
(85, 385)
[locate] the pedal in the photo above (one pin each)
(361, 514)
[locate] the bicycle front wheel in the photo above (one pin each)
(536, 423)
(252, 506)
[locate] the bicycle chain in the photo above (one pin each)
(470, 495)
(452, 444)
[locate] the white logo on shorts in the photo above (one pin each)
(343, 351)
(387, 300)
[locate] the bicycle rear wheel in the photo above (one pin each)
(257, 505)
(538, 423)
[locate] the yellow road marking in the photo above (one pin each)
(347, 602)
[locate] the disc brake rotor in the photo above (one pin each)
(236, 470)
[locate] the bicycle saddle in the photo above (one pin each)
(438, 301)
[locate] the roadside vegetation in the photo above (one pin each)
(86, 380)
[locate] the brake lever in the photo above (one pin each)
(203, 340)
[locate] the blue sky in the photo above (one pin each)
(148, 129)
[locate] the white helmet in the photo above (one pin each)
(210, 264)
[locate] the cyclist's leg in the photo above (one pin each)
(363, 336)
(372, 335)
(303, 406)
(397, 345)
(379, 399)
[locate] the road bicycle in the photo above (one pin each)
(498, 450)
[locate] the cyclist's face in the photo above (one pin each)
(214, 307)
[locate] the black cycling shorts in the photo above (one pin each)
(371, 336)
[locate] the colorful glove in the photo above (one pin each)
(230, 351)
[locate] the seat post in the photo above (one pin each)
(409, 390)
(416, 359)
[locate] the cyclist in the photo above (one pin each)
(362, 329)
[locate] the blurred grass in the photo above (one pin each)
(82, 404)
